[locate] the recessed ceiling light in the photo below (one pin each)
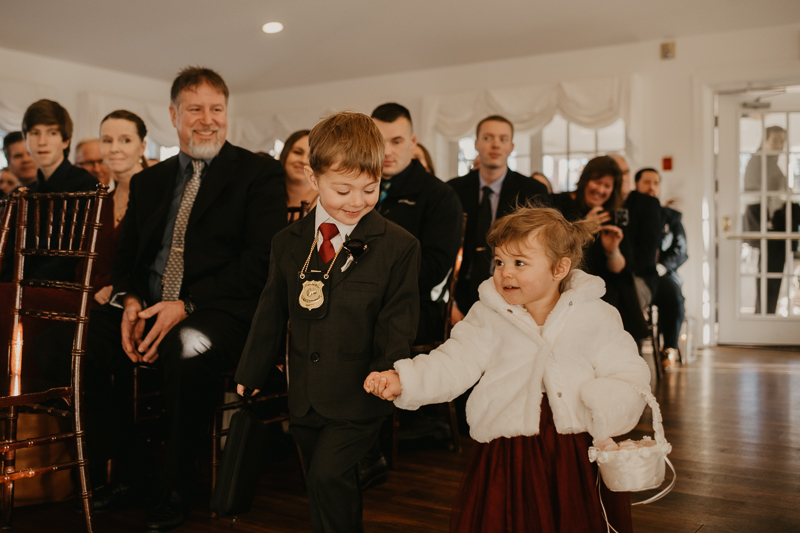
(272, 27)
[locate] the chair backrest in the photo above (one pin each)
(51, 227)
(296, 213)
(453, 282)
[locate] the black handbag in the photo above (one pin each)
(241, 463)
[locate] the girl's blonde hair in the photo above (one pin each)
(559, 237)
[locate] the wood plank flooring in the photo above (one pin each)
(732, 416)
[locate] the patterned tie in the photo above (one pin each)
(173, 272)
(329, 231)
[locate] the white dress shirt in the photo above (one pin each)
(321, 217)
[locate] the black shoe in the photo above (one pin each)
(169, 514)
(109, 498)
(372, 471)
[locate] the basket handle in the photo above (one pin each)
(658, 427)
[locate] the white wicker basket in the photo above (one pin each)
(640, 466)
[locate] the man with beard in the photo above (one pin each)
(192, 260)
(20, 162)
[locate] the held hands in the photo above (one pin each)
(385, 385)
(168, 315)
(240, 390)
(103, 296)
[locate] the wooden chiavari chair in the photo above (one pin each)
(49, 226)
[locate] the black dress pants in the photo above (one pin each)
(670, 302)
(331, 450)
(193, 355)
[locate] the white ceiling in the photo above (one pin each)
(326, 40)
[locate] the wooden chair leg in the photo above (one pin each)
(9, 464)
(83, 475)
(395, 433)
(454, 433)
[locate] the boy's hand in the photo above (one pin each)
(240, 390)
(384, 385)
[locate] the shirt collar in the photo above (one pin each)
(59, 173)
(322, 216)
(184, 160)
(401, 176)
(496, 186)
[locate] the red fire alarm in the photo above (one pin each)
(666, 163)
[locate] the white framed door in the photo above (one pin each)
(758, 203)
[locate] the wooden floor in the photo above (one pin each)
(732, 416)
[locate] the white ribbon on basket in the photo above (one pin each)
(637, 468)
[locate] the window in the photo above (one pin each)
(560, 150)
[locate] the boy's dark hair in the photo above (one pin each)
(391, 112)
(638, 175)
(11, 138)
(348, 142)
(289, 144)
(495, 118)
(190, 78)
(48, 113)
(595, 169)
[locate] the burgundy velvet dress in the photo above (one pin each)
(107, 239)
(540, 483)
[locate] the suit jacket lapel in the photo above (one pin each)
(153, 226)
(508, 194)
(223, 169)
(369, 227)
(304, 236)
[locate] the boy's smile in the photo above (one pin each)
(345, 197)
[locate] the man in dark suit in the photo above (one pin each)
(486, 194)
(193, 256)
(424, 206)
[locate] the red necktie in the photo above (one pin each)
(329, 231)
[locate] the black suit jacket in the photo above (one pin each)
(516, 189)
(427, 208)
(366, 323)
(240, 206)
(644, 235)
(673, 240)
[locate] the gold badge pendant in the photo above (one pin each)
(311, 296)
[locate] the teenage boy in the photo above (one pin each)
(346, 279)
(47, 128)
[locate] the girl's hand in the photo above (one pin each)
(611, 236)
(385, 385)
(603, 443)
(598, 215)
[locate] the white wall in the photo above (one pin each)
(674, 105)
(25, 78)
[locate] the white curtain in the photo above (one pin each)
(92, 107)
(592, 103)
(15, 97)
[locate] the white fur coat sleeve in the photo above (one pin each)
(613, 406)
(450, 370)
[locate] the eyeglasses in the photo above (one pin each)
(90, 163)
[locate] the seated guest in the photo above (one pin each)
(192, 260)
(425, 207)
(541, 178)
(422, 155)
(47, 128)
(122, 146)
(597, 197)
(669, 298)
(20, 162)
(490, 191)
(294, 158)
(89, 157)
(8, 182)
(644, 235)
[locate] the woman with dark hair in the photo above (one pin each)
(122, 146)
(294, 157)
(598, 197)
(421, 154)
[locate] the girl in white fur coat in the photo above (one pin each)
(554, 371)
